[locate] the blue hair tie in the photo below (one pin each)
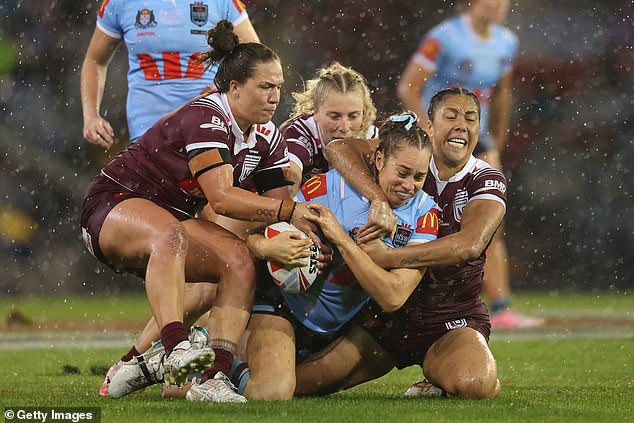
(409, 119)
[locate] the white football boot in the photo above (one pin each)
(140, 372)
(103, 390)
(218, 389)
(424, 389)
(185, 360)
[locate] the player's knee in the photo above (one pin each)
(239, 266)
(171, 240)
(207, 295)
(474, 386)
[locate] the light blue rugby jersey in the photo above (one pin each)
(332, 302)
(459, 57)
(162, 38)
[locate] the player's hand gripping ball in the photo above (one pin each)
(292, 279)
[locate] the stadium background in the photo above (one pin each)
(569, 222)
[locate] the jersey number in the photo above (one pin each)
(171, 66)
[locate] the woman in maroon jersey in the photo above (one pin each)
(139, 212)
(444, 326)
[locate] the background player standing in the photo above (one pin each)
(164, 43)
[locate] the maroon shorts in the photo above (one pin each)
(103, 195)
(407, 334)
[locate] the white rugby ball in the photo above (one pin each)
(292, 279)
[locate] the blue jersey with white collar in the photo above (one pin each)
(333, 301)
(163, 39)
(458, 56)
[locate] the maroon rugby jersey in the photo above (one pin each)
(305, 148)
(157, 164)
(448, 290)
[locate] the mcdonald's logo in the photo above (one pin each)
(315, 187)
(429, 223)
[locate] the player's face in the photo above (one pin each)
(494, 11)
(339, 115)
(454, 129)
(256, 99)
(401, 175)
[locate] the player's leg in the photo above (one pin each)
(461, 363)
(138, 234)
(351, 360)
(218, 255)
(270, 353)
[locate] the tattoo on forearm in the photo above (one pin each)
(265, 212)
(411, 261)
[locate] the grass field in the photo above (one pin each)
(580, 368)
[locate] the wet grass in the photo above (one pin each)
(573, 380)
(545, 379)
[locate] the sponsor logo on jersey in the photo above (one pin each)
(262, 130)
(315, 187)
(501, 186)
(430, 49)
(460, 201)
(239, 5)
(216, 124)
(145, 19)
(251, 161)
(402, 235)
(456, 324)
(199, 13)
(429, 223)
(102, 9)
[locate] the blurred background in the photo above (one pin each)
(570, 221)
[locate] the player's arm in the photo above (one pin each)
(294, 175)
(93, 80)
(480, 220)
(352, 158)
(237, 203)
(390, 289)
(410, 88)
(500, 111)
(245, 32)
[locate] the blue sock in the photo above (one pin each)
(239, 375)
(499, 305)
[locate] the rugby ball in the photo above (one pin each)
(292, 279)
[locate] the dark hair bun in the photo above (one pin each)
(222, 40)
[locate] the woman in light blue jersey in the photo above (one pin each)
(290, 327)
(163, 40)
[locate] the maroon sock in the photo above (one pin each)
(130, 354)
(172, 334)
(222, 363)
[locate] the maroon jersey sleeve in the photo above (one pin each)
(205, 132)
(488, 184)
(299, 142)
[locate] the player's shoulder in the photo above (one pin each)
(108, 9)
(481, 169)
(485, 176)
(373, 132)
(212, 108)
(304, 125)
(506, 35)
(446, 25)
